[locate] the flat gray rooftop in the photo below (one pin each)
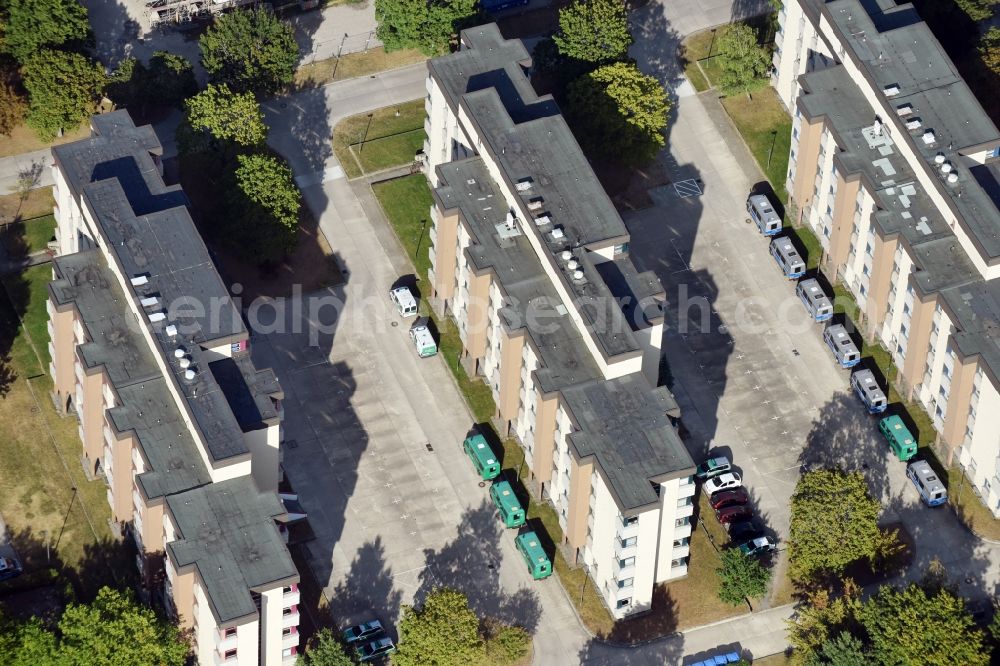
(630, 451)
(533, 301)
(147, 406)
(174, 462)
(977, 307)
(147, 227)
(227, 531)
(624, 425)
(248, 390)
(897, 49)
(115, 343)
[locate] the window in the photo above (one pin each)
(682, 521)
(627, 562)
(626, 582)
(287, 631)
(230, 654)
(230, 632)
(630, 520)
(287, 611)
(629, 542)
(623, 603)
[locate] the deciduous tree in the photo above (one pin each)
(594, 31)
(821, 618)
(444, 632)
(63, 89)
(506, 644)
(427, 25)
(250, 50)
(114, 629)
(844, 649)
(619, 113)
(34, 24)
(744, 61)
(325, 650)
(221, 114)
(170, 78)
(266, 206)
(111, 630)
(989, 49)
(834, 523)
(13, 107)
(914, 626)
(741, 577)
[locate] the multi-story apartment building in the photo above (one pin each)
(530, 258)
(896, 167)
(151, 356)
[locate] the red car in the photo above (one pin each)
(731, 514)
(734, 497)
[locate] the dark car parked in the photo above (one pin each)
(731, 514)
(743, 530)
(734, 497)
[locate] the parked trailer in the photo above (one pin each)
(866, 388)
(763, 214)
(818, 305)
(843, 348)
(787, 257)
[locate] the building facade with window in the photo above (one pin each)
(896, 168)
(530, 259)
(151, 356)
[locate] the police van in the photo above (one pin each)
(843, 348)
(817, 303)
(787, 257)
(927, 483)
(404, 301)
(423, 340)
(866, 387)
(763, 214)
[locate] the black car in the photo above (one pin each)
(9, 568)
(743, 530)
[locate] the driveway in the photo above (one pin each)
(374, 433)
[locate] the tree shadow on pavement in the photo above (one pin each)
(367, 589)
(844, 436)
(470, 563)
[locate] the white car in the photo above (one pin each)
(723, 482)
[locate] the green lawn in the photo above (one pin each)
(353, 65)
(387, 137)
(767, 129)
(390, 151)
(407, 204)
(808, 244)
(43, 492)
(29, 235)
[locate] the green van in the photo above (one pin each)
(534, 555)
(506, 502)
(901, 441)
(479, 451)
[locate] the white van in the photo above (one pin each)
(404, 301)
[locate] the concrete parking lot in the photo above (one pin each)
(754, 379)
(373, 447)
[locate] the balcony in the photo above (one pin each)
(224, 643)
(624, 550)
(624, 531)
(682, 531)
(623, 572)
(681, 551)
(687, 488)
(290, 619)
(290, 640)
(685, 511)
(427, 105)
(290, 598)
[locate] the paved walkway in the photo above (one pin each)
(36, 164)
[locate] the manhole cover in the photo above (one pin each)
(395, 324)
(34, 410)
(291, 443)
(429, 447)
(482, 484)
